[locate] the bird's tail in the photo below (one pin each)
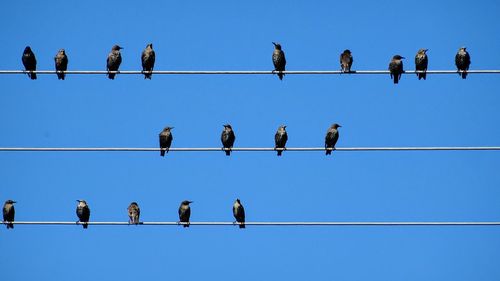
(10, 225)
(111, 76)
(85, 225)
(328, 151)
(396, 78)
(464, 74)
(228, 152)
(162, 151)
(186, 224)
(279, 152)
(421, 75)
(60, 76)
(147, 75)
(280, 75)
(242, 225)
(32, 75)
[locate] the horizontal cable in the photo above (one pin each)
(144, 149)
(237, 72)
(489, 223)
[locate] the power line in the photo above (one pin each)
(251, 149)
(243, 72)
(424, 223)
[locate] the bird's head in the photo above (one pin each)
(463, 48)
(134, 204)
(150, 45)
(336, 126)
(167, 129)
(62, 51)
(227, 126)
(277, 46)
(27, 49)
(422, 51)
(347, 51)
(10, 202)
(238, 200)
(398, 57)
(116, 48)
(186, 202)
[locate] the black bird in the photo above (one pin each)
(29, 62)
(8, 213)
(83, 212)
(134, 213)
(396, 68)
(331, 138)
(227, 138)
(61, 61)
(279, 60)
(148, 61)
(280, 139)
(165, 140)
(421, 62)
(114, 60)
(185, 212)
(239, 213)
(462, 61)
(346, 61)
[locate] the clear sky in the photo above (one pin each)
(93, 111)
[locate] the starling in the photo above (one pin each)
(165, 140)
(280, 139)
(114, 60)
(396, 68)
(227, 138)
(83, 212)
(346, 61)
(29, 62)
(279, 60)
(185, 212)
(133, 213)
(421, 62)
(8, 213)
(239, 213)
(331, 138)
(148, 61)
(61, 61)
(462, 61)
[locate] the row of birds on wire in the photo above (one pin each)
(462, 62)
(133, 210)
(228, 138)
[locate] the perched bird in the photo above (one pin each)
(185, 212)
(331, 138)
(29, 62)
(8, 213)
(280, 139)
(239, 213)
(148, 61)
(83, 212)
(279, 60)
(133, 213)
(61, 61)
(346, 61)
(462, 61)
(396, 68)
(421, 62)
(227, 138)
(165, 140)
(114, 60)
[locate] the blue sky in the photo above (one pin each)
(92, 111)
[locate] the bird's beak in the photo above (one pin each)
(14, 202)
(78, 201)
(274, 43)
(171, 128)
(402, 57)
(426, 50)
(340, 126)
(121, 48)
(191, 202)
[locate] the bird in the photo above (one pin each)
(8, 213)
(396, 68)
(279, 60)
(134, 213)
(227, 138)
(462, 61)
(114, 60)
(331, 138)
(280, 139)
(165, 140)
(239, 213)
(421, 62)
(346, 61)
(148, 61)
(61, 60)
(29, 62)
(185, 212)
(83, 212)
